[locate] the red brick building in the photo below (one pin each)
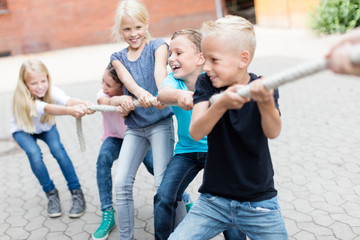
(41, 25)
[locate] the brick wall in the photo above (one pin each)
(41, 25)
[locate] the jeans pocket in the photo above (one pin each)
(265, 206)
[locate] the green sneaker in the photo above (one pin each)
(107, 224)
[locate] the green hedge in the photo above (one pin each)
(335, 16)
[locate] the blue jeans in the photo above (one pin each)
(160, 136)
(211, 215)
(28, 143)
(108, 153)
(180, 172)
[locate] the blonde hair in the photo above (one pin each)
(193, 35)
(134, 9)
(238, 32)
(24, 107)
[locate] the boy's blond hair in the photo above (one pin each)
(24, 107)
(134, 9)
(238, 32)
(192, 34)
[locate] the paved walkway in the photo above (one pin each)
(316, 158)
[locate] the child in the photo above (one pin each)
(338, 57)
(186, 61)
(114, 130)
(142, 68)
(35, 102)
(238, 186)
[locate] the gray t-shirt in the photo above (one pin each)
(142, 70)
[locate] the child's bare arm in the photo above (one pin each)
(160, 71)
(170, 95)
(104, 100)
(130, 84)
(204, 117)
(270, 116)
(75, 110)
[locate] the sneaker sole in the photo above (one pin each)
(106, 236)
(73, 215)
(54, 215)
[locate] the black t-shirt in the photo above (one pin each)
(238, 164)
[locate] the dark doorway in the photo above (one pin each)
(243, 8)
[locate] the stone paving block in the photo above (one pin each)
(346, 219)
(333, 198)
(55, 225)
(297, 216)
(15, 210)
(305, 235)
(3, 228)
(315, 229)
(34, 211)
(81, 236)
(303, 205)
(16, 221)
(139, 223)
(327, 207)
(35, 223)
(91, 217)
(17, 233)
(75, 228)
(342, 231)
(3, 215)
(322, 218)
(57, 235)
(140, 234)
(326, 238)
(315, 188)
(145, 212)
(39, 233)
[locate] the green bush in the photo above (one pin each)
(335, 16)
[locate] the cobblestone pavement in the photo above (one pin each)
(316, 160)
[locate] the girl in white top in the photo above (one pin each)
(35, 103)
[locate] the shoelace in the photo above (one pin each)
(106, 220)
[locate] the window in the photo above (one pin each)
(244, 8)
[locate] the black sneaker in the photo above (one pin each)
(54, 208)
(78, 205)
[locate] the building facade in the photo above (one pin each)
(43, 25)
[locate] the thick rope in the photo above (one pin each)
(80, 134)
(103, 108)
(271, 82)
(79, 131)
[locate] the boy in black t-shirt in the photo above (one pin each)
(238, 187)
